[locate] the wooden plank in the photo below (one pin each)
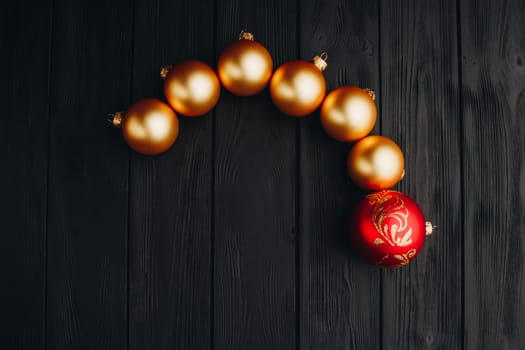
(255, 173)
(24, 89)
(493, 89)
(420, 111)
(87, 207)
(170, 194)
(340, 295)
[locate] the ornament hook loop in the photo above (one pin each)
(245, 35)
(116, 119)
(165, 70)
(320, 61)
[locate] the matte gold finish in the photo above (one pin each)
(348, 113)
(245, 66)
(376, 163)
(297, 88)
(150, 126)
(192, 88)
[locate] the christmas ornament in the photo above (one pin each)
(297, 88)
(349, 113)
(388, 229)
(376, 163)
(191, 88)
(245, 66)
(149, 126)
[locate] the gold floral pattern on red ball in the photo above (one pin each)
(387, 207)
(403, 259)
(388, 229)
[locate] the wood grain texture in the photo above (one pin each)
(493, 67)
(170, 194)
(340, 295)
(255, 172)
(87, 210)
(24, 91)
(420, 111)
(236, 237)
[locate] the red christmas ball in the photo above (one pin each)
(388, 229)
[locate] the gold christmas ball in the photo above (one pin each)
(297, 88)
(149, 126)
(245, 66)
(348, 113)
(191, 88)
(376, 163)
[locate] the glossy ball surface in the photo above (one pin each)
(376, 163)
(192, 88)
(150, 126)
(348, 113)
(387, 229)
(245, 67)
(297, 88)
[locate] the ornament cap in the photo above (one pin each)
(165, 70)
(320, 61)
(429, 228)
(116, 119)
(246, 35)
(371, 93)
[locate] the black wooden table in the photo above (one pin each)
(236, 237)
